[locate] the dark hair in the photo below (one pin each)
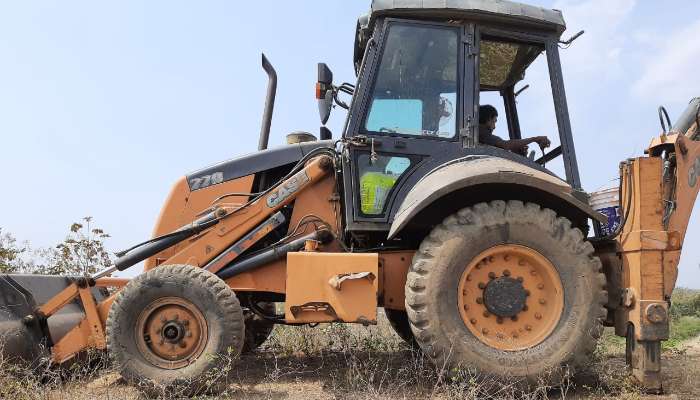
(486, 113)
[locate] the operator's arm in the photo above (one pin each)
(517, 145)
(514, 145)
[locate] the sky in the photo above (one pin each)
(104, 105)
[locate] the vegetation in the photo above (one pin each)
(328, 361)
(81, 252)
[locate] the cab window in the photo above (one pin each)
(377, 177)
(415, 92)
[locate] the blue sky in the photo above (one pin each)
(103, 105)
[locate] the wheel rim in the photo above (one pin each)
(511, 297)
(171, 332)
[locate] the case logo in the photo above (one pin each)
(288, 188)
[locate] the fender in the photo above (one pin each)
(474, 171)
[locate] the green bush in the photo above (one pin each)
(685, 303)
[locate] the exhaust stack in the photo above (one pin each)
(269, 103)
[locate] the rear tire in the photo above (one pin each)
(398, 320)
(175, 329)
(437, 293)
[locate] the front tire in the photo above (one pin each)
(510, 289)
(175, 329)
(257, 328)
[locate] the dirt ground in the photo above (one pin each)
(402, 375)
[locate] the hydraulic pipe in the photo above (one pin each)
(272, 254)
(269, 103)
(690, 116)
(140, 253)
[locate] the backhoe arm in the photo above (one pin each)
(658, 195)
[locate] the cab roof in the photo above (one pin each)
(506, 11)
(495, 11)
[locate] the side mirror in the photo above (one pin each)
(324, 92)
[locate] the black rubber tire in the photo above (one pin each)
(257, 328)
(214, 299)
(433, 281)
(398, 320)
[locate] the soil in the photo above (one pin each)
(341, 375)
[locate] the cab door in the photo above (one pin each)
(413, 105)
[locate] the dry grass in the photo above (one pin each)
(335, 361)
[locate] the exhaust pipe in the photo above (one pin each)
(269, 103)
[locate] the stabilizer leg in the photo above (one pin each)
(644, 358)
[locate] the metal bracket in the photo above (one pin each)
(336, 281)
(315, 306)
(468, 135)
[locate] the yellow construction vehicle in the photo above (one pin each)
(480, 255)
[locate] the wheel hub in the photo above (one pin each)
(504, 297)
(171, 332)
(510, 297)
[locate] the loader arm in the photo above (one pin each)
(238, 228)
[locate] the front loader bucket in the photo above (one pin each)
(21, 332)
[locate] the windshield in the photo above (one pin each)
(415, 92)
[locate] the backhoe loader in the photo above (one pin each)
(482, 257)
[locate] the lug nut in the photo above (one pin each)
(473, 321)
(533, 272)
(514, 334)
(464, 292)
(521, 262)
(538, 315)
(506, 273)
(540, 286)
(499, 320)
(528, 328)
(485, 331)
(469, 277)
(491, 258)
(492, 275)
(543, 301)
(466, 307)
(479, 300)
(500, 336)
(482, 285)
(520, 279)
(514, 318)
(525, 307)
(527, 292)
(506, 257)
(487, 314)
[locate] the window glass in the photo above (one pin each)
(415, 92)
(377, 178)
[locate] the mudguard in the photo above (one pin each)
(473, 171)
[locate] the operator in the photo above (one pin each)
(488, 116)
